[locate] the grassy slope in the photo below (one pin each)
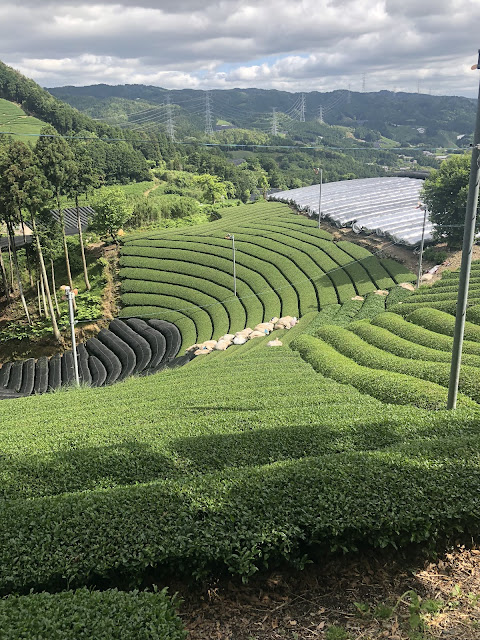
(14, 120)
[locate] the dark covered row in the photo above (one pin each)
(130, 346)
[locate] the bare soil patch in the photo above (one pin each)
(370, 596)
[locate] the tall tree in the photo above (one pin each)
(445, 193)
(56, 160)
(111, 212)
(37, 196)
(82, 180)
(15, 159)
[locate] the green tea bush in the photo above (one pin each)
(367, 355)
(396, 295)
(81, 614)
(441, 322)
(397, 272)
(419, 335)
(392, 387)
(347, 311)
(372, 306)
(387, 341)
(473, 314)
(371, 264)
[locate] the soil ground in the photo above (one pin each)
(362, 597)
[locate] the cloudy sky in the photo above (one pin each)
(293, 45)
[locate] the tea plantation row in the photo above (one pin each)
(285, 265)
(269, 462)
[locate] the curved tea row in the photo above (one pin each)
(128, 347)
(285, 265)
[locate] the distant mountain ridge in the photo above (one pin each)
(383, 111)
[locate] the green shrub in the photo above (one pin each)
(395, 388)
(105, 615)
(366, 355)
(441, 322)
(415, 333)
(473, 314)
(372, 306)
(435, 255)
(396, 295)
(397, 272)
(387, 341)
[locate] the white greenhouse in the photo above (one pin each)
(384, 206)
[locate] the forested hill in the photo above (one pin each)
(119, 161)
(385, 111)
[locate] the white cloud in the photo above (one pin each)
(294, 45)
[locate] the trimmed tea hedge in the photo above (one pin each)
(285, 266)
(393, 387)
(82, 614)
(441, 322)
(387, 341)
(367, 355)
(415, 333)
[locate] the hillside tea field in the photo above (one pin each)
(285, 265)
(250, 458)
(14, 120)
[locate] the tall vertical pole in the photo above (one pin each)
(468, 238)
(320, 198)
(70, 296)
(234, 268)
(422, 242)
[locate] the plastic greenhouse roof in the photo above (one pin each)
(384, 206)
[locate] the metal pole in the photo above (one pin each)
(419, 276)
(468, 239)
(234, 268)
(70, 296)
(320, 199)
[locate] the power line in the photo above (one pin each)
(228, 144)
(208, 114)
(170, 124)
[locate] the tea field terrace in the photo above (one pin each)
(285, 265)
(235, 461)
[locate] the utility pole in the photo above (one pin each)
(208, 114)
(274, 122)
(302, 108)
(170, 123)
(231, 237)
(419, 276)
(468, 239)
(320, 115)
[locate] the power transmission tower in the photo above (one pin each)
(320, 115)
(302, 108)
(170, 123)
(364, 77)
(208, 114)
(274, 122)
(418, 86)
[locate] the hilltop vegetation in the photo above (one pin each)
(397, 116)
